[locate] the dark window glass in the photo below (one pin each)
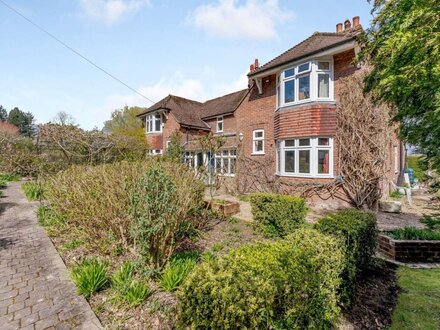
(289, 91)
(289, 73)
(303, 67)
(304, 142)
(304, 87)
(289, 161)
(323, 161)
(304, 161)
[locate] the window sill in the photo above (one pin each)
(300, 103)
(258, 154)
(310, 176)
(158, 132)
(226, 175)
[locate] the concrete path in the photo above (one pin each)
(35, 289)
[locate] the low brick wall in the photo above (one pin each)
(409, 250)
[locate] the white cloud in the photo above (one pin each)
(239, 84)
(110, 11)
(176, 85)
(255, 19)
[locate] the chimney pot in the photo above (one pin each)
(356, 21)
(339, 27)
(252, 68)
(257, 63)
(347, 24)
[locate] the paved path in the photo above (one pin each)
(35, 289)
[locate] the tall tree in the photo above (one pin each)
(403, 47)
(23, 120)
(3, 114)
(124, 122)
(64, 119)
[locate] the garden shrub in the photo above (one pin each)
(164, 198)
(358, 232)
(34, 191)
(48, 218)
(289, 284)
(94, 199)
(431, 222)
(90, 275)
(8, 177)
(278, 215)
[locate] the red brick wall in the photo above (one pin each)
(229, 124)
(343, 67)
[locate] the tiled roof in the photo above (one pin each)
(318, 41)
(190, 113)
(224, 104)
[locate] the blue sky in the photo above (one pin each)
(195, 49)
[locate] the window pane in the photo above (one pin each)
(157, 124)
(258, 146)
(289, 91)
(323, 161)
(304, 87)
(323, 66)
(323, 85)
(289, 161)
(304, 161)
(232, 166)
(323, 142)
(225, 165)
(218, 165)
(225, 152)
(289, 143)
(304, 142)
(289, 73)
(303, 67)
(258, 134)
(233, 152)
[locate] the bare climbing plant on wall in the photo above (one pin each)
(363, 138)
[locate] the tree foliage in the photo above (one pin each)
(125, 122)
(23, 120)
(3, 114)
(403, 46)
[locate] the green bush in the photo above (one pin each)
(278, 215)
(419, 164)
(396, 194)
(289, 284)
(412, 233)
(8, 177)
(167, 196)
(135, 293)
(176, 273)
(358, 231)
(34, 191)
(123, 276)
(90, 275)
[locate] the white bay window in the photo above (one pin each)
(309, 81)
(305, 157)
(154, 123)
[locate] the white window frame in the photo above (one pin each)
(154, 152)
(313, 73)
(220, 121)
(396, 160)
(256, 139)
(150, 123)
(220, 157)
(314, 148)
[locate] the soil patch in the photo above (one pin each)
(376, 298)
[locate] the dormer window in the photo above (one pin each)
(305, 82)
(219, 124)
(154, 123)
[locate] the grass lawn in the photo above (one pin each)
(418, 305)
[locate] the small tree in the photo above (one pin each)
(23, 120)
(175, 148)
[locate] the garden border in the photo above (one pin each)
(408, 250)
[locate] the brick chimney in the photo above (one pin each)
(257, 63)
(252, 68)
(347, 24)
(356, 21)
(339, 27)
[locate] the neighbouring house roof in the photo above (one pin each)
(224, 104)
(317, 42)
(190, 113)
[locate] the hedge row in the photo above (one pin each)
(289, 284)
(278, 215)
(294, 283)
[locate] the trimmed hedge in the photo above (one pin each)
(289, 284)
(278, 215)
(358, 231)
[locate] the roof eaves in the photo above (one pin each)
(258, 71)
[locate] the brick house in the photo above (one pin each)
(280, 129)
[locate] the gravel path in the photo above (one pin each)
(35, 289)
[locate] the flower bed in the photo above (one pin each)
(409, 250)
